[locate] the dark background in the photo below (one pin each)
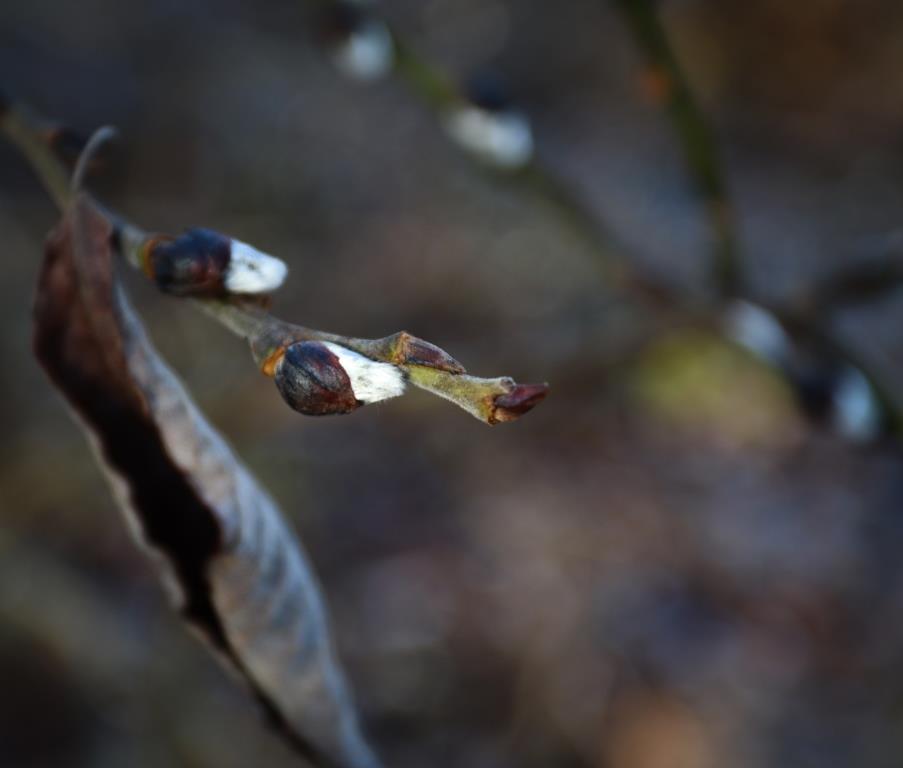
(664, 566)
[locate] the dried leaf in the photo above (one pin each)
(240, 576)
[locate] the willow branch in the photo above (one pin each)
(434, 89)
(697, 140)
(420, 363)
(443, 97)
(426, 366)
(851, 285)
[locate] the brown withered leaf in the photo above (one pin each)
(237, 570)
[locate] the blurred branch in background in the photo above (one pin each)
(852, 285)
(499, 136)
(669, 86)
(487, 127)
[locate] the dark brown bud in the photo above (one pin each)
(514, 404)
(193, 264)
(205, 263)
(312, 380)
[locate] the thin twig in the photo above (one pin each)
(20, 129)
(851, 285)
(423, 364)
(441, 95)
(697, 141)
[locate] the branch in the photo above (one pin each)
(424, 365)
(696, 138)
(311, 368)
(318, 381)
(498, 138)
(313, 379)
(851, 285)
(443, 97)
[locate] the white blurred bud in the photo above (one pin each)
(501, 138)
(367, 52)
(856, 413)
(756, 329)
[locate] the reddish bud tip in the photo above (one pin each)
(312, 381)
(514, 404)
(414, 351)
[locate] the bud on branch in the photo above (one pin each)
(319, 378)
(203, 263)
(321, 373)
(317, 373)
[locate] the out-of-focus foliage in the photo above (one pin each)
(697, 381)
(662, 566)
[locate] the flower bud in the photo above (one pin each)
(839, 397)
(759, 331)
(321, 378)
(361, 45)
(857, 413)
(489, 127)
(830, 394)
(201, 262)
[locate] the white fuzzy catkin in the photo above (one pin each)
(758, 330)
(371, 381)
(856, 414)
(252, 271)
(503, 138)
(367, 54)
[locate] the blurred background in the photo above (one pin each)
(666, 565)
